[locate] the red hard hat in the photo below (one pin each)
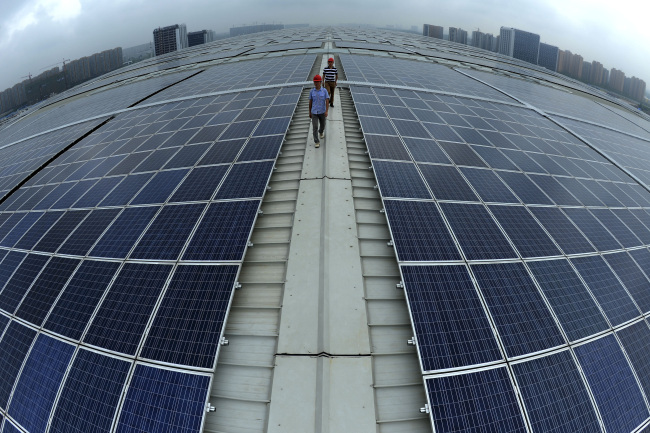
(330, 59)
(318, 78)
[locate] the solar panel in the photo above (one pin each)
(94, 377)
(14, 346)
(179, 399)
(475, 402)
(612, 384)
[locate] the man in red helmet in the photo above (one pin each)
(318, 105)
(331, 76)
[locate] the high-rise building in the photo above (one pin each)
(637, 89)
(519, 44)
(575, 69)
(585, 74)
(177, 256)
(548, 56)
(617, 80)
(483, 40)
(432, 31)
(200, 37)
(169, 39)
(596, 76)
(457, 35)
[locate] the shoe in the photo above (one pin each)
(331, 105)
(317, 144)
(322, 134)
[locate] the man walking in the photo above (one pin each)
(318, 106)
(331, 76)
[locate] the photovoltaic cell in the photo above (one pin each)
(636, 343)
(521, 316)
(607, 290)
(574, 307)
(562, 230)
(14, 345)
(223, 232)
(73, 309)
(20, 282)
(399, 179)
(488, 186)
(123, 314)
(125, 191)
(92, 378)
(527, 235)
(39, 382)
(179, 399)
(188, 324)
(619, 230)
(246, 180)
(555, 395)
(421, 150)
(60, 231)
(167, 235)
(118, 240)
(35, 233)
(46, 288)
(87, 233)
(259, 148)
(475, 402)
(451, 327)
(612, 384)
(419, 232)
(160, 187)
(447, 183)
(632, 277)
(478, 235)
(462, 154)
(526, 190)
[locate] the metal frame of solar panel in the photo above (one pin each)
(486, 275)
(119, 265)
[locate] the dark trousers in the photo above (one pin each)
(330, 86)
(315, 119)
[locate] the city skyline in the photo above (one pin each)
(75, 24)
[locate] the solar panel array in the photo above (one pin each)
(239, 75)
(413, 74)
(119, 260)
(524, 258)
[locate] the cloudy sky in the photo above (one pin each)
(36, 34)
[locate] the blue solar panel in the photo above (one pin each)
(20, 228)
(258, 148)
(399, 179)
(188, 324)
(98, 192)
(527, 235)
(525, 189)
(446, 183)
(9, 264)
(488, 186)
(478, 402)
(554, 190)
(200, 184)
(567, 236)
(419, 232)
(9, 427)
(73, 309)
(19, 283)
(41, 226)
(178, 400)
(123, 314)
(376, 125)
(166, 236)
(608, 291)
(524, 322)
(160, 187)
(46, 288)
(222, 152)
(636, 342)
(246, 180)
(4, 320)
(639, 229)
(619, 230)
(60, 231)
(633, 278)
(39, 382)
(118, 240)
(450, 324)
(574, 307)
(125, 191)
(462, 154)
(555, 396)
(478, 235)
(391, 147)
(612, 384)
(14, 345)
(223, 232)
(594, 231)
(92, 378)
(87, 233)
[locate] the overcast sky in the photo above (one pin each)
(38, 34)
